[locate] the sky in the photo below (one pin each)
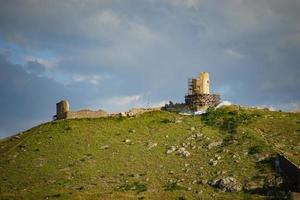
(118, 54)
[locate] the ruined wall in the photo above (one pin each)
(177, 107)
(63, 112)
(86, 114)
(198, 101)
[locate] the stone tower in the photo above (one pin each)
(198, 96)
(202, 84)
(62, 108)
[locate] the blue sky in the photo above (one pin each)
(115, 54)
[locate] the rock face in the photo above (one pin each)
(228, 184)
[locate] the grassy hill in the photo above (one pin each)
(226, 154)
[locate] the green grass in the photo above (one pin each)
(64, 159)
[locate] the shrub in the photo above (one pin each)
(227, 118)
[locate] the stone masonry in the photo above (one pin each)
(63, 112)
(198, 96)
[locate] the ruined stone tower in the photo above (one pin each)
(200, 85)
(62, 108)
(198, 96)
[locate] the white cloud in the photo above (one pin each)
(188, 3)
(124, 100)
(47, 63)
(124, 103)
(233, 53)
(92, 79)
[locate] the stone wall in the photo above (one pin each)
(86, 114)
(198, 101)
(176, 107)
(81, 114)
(63, 112)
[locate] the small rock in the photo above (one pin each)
(17, 137)
(261, 157)
(127, 141)
(171, 172)
(151, 145)
(192, 128)
(171, 150)
(132, 131)
(214, 144)
(228, 184)
(251, 186)
(183, 152)
(213, 162)
(104, 147)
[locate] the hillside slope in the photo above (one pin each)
(226, 154)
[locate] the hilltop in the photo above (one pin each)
(227, 153)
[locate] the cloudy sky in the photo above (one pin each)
(118, 54)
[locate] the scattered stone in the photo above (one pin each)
(214, 144)
(203, 181)
(186, 164)
(251, 186)
(261, 157)
(171, 172)
(189, 189)
(151, 145)
(226, 184)
(171, 150)
(104, 147)
(217, 157)
(225, 151)
(213, 162)
(183, 152)
(192, 128)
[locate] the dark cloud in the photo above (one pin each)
(25, 98)
(35, 67)
(97, 51)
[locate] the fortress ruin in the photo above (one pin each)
(198, 98)
(198, 95)
(63, 112)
